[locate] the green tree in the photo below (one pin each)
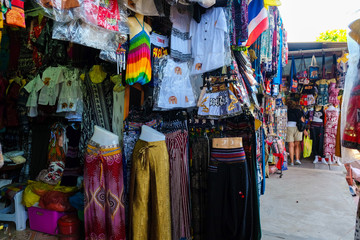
(336, 35)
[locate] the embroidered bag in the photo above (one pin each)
(293, 79)
(313, 69)
(16, 15)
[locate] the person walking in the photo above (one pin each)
(293, 135)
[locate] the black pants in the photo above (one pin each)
(317, 135)
(229, 211)
(198, 181)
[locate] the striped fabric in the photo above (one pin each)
(179, 184)
(138, 69)
(235, 155)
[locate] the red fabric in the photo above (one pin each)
(351, 136)
(280, 161)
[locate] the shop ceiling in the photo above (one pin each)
(308, 49)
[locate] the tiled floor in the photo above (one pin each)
(310, 201)
(12, 234)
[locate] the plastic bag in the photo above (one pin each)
(85, 34)
(29, 197)
(307, 146)
(109, 14)
(56, 201)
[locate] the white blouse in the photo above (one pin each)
(208, 41)
(70, 91)
(180, 43)
(51, 78)
(33, 88)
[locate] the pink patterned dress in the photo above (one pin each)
(332, 117)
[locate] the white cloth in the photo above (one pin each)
(175, 88)
(291, 124)
(208, 41)
(33, 88)
(180, 44)
(51, 78)
(70, 92)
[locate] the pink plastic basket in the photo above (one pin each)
(43, 220)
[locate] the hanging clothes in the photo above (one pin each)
(180, 36)
(175, 90)
(70, 93)
(199, 159)
(150, 214)
(208, 41)
(138, 69)
(228, 191)
(330, 131)
(159, 49)
(98, 107)
(104, 212)
(176, 143)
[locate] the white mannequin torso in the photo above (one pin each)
(150, 135)
(104, 137)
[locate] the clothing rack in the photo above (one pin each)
(317, 52)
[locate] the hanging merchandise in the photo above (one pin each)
(85, 34)
(217, 100)
(307, 100)
(302, 75)
(138, 68)
(70, 95)
(239, 27)
(314, 69)
(342, 67)
(293, 79)
(15, 16)
(307, 146)
(159, 49)
(174, 89)
(331, 120)
(323, 93)
(180, 43)
(208, 41)
(333, 94)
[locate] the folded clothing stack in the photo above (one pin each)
(14, 156)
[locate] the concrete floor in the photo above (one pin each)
(308, 202)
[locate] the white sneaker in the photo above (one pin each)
(323, 161)
(297, 162)
(316, 160)
(292, 164)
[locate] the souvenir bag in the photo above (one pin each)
(302, 75)
(307, 146)
(293, 79)
(16, 15)
(313, 69)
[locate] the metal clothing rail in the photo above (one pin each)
(319, 52)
